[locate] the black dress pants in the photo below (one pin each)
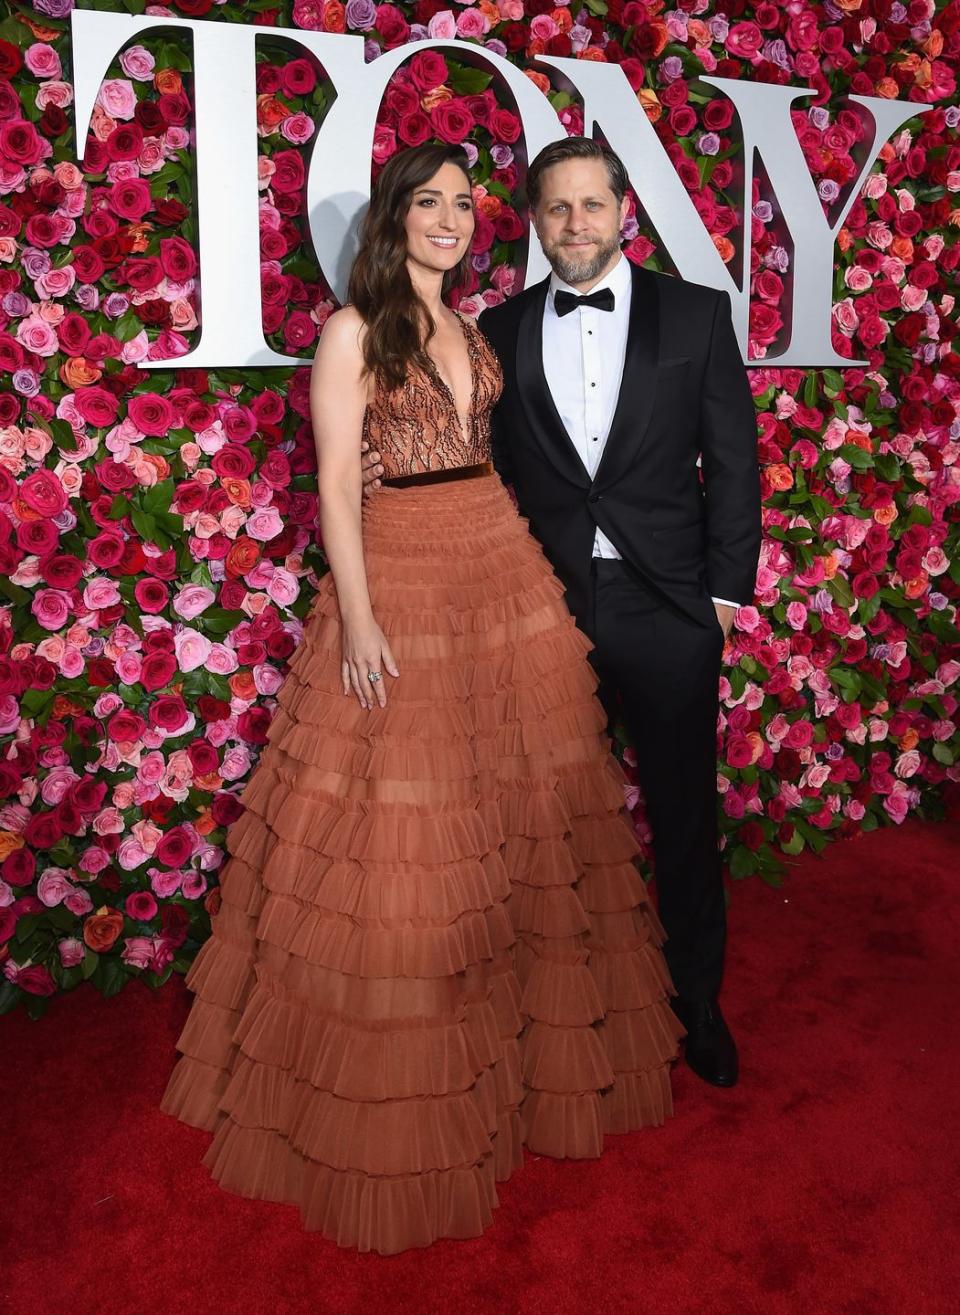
(659, 670)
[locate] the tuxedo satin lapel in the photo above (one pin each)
(537, 401)
(634, 408)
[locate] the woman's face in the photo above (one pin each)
(439, 222)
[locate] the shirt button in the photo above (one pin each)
(595, 439)
(593, 385)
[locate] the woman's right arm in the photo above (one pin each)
(338, 393)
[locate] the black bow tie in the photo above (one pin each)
(564, 302)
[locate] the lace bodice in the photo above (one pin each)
(417, 428)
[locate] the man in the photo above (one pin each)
(628, 432)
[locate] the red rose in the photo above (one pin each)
(126, 726)
(74, 334)
(392, 26)
(203, 757)
(504, 125)
(451, 121)
(175, 847)
(43, 493)
(178, 259)
(233, 462)
(143, 275)
(168, 712)
(428, 70)
(11, 61)
(97, 406)
(226, 808)
(151, 413)
(61, 571)
(36, 980)
(20, 142)
(298, 78)
(43, 831)
(131, 199)
(125, 142)
(19, 867)
(8, 924)
(152, 595)
(414, 129)
(288, 175)
(253, 724)
(157, 670)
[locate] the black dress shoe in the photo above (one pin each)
(709, 1049)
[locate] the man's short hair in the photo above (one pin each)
(576, 148)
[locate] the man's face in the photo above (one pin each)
(578, 221)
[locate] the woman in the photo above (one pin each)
(433, 946)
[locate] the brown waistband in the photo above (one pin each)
(440, 476)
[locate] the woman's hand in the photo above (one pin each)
(365, 651)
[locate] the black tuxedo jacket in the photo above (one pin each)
(684, 396)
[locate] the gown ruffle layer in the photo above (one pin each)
(434, 947)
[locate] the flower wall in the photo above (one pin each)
(158, 529)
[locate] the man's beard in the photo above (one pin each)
(584, 269)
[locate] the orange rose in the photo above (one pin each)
(857, 438)
(210, 782)
(885, 515)
(160, 464)
(243, 686)
(77, 371)
(594, 54)
(563, 19)
(102, 928)
(334, 17)
(918, 586)
(271, 111)
(724, 247)
(909, 740)
(237, 490)
(780, 477)
(902, 248)
(844, 240)
(242, 557)
(490, 206)
(168, 82)
(65, 707)
(830, 565)
(538, 79)
(8, 843)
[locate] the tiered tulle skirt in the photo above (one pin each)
(434, 947)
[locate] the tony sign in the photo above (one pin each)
(338, 185)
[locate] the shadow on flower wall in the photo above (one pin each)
(158, 528)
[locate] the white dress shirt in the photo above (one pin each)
(583, 356)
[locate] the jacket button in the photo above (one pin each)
(594, 497)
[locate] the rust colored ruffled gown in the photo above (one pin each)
(434, 947)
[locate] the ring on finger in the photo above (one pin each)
(373, 677)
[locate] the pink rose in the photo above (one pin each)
(42, 60)
(71, 952)
(117, 98)
(53, 887)
(164, 884)
(191, 649)
(51, 607)
(192, 600)
(141, 906)
(137, 951)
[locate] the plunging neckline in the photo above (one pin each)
(438, 377)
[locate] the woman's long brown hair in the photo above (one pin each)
(380, 285)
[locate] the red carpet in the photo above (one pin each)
(824, 1184)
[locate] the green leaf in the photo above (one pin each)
(943, 754)
(15, 592)
(468, 81)
(794, 845)
(743, 862)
